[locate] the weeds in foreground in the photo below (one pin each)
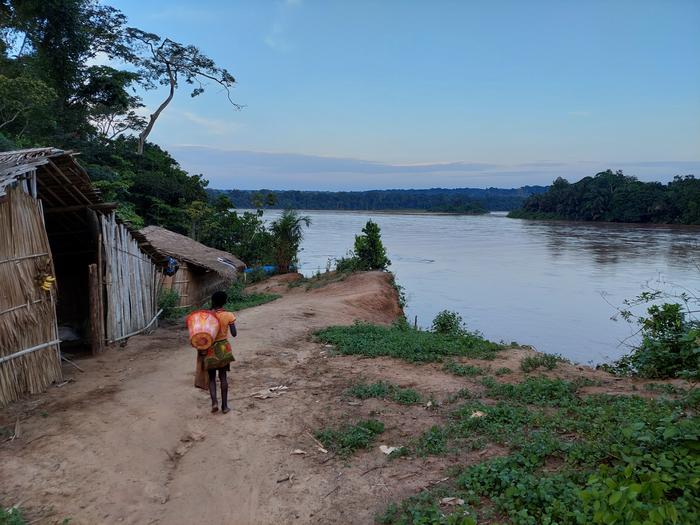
(404, 342)
(348, 438)
(11, 516)
(573, 459)
(384, 390)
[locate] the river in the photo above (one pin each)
(545, 284)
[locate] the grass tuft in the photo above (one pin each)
(548, 361)
(384, 390)
(348, 438)
(462, 370)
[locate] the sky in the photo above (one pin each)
(398, 93)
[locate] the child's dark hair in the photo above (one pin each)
(218, 299)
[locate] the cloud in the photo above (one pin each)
(213, 126)
(254, 170)
(277, 37)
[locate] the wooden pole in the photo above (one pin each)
(96, 340)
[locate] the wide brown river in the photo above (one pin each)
(546, 284)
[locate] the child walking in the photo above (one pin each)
(219, 355)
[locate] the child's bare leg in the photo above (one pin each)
(224, 391)
(212, 390)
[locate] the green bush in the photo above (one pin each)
(348, 438)
(447, 322)
(369, 253)
(168, 301)
(670, 346)
(533, 362)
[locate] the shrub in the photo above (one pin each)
(168, 301)
(369, 249)
(447, 322)
(369, 253)
(348, 438)
(670, 346)
(530, 363)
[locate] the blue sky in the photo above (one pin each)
(359, 94)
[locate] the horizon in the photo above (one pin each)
(347, 96)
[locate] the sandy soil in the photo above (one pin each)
(130, 440)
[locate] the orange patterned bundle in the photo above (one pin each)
(203, 326)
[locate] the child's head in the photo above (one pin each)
(218, 299)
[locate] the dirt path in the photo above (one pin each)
(132, 441)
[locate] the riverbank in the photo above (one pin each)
(131, 441)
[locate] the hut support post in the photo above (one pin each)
(96, 318)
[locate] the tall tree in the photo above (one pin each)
(163, 61)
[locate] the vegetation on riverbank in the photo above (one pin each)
(571, 458)
(557, 454)
(613, 197)
(460, 208)
(404, 342)
(493, 199)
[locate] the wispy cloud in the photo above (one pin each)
(277, 37)
(214, 126)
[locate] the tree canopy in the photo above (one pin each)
(614, 197)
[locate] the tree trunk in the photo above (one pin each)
(154, 116)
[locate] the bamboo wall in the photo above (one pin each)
(194, 287)
(27, 313)
(131, 282)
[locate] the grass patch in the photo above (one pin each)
(406, 343)
(348, 438)
(502, 371)
(462, 370)
(238, 299)
(572, 459)
(547, 361)
(384, 390)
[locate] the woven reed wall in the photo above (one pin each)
(131, 282)
(27, 313)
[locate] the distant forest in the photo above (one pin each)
(614, 197)
(437, 199)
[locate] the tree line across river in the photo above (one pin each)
(456, 200)
(607, 197)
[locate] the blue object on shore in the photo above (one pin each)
(267, 268)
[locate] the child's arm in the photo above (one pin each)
(232, 327)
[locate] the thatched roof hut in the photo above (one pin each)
(69, 271)
(203, 269)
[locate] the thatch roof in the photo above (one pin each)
(157, 241)
(60, 182)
